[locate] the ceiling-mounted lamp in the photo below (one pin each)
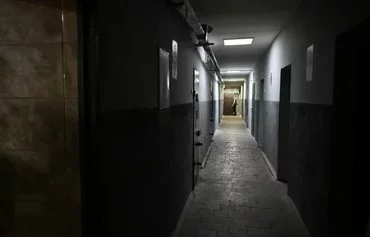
(240, 41)
(235, 72)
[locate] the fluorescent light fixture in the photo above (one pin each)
(236, 72)
(242, 41)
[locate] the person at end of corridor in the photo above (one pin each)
(235, 103)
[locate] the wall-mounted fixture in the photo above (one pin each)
(203, 39)
(241, 41)
(200, 30)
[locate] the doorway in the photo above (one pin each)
(228, 102)
(232, 93)
(348, 178)
(283, 169)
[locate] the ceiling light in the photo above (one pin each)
(243, 41)
(235, 72)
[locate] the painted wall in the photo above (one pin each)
(39, 165)
(145, 165)
(317, 23)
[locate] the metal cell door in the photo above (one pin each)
(196, 130)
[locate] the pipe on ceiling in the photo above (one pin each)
(186, 10)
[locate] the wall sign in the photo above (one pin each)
(309, 63)
(175, 49)
(164, 79)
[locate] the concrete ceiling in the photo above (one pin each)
(261, 19)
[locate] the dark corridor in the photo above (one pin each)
(90, 146)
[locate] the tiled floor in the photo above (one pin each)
(236, 194)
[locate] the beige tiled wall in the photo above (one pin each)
(39, 167)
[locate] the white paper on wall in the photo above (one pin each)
(309, 63)
(175, 49)
(164, 79)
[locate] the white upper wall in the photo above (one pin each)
(205, 78)
(251, 80)
(316, 23)
(216, 89)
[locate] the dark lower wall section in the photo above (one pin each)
(310, 155)
(129, 173)
(267, 129)
(205, 111)
(145, 170)
(180, 161)
(308, 160)
(245, 112)
(143, 174)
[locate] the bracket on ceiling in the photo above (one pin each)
(203, 38)
(201, 31)
(202, 44)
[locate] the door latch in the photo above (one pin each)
(197, 163)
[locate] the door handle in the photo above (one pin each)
(197, 164)
(198, 144)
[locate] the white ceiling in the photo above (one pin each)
(261, 19)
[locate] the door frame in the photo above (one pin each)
(349, 125)
(283, 167)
